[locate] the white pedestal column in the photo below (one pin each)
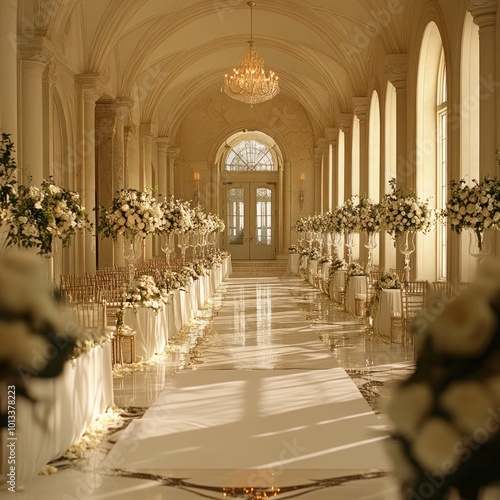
(172, 155)
(396, 71)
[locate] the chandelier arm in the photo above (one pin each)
(251, 19)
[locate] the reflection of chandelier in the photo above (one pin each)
(249, 82)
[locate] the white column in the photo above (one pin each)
(161, 151)
(318, 160)
(396, 71)
(105, 113)
(146, 145)
(323, 152)
(485, 14)
(8, 63)
(123, 105)
(145, 138)
(360, 108)
(90, 88)
(331, 135)
(172, 154)
(344, 121)
(35, 56)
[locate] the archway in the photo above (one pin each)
(249, 178)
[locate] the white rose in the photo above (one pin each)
(468, 404)
(436, 444)
(465, 327)
(408, 406)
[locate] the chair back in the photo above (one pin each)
(91, 315)
(413, 296)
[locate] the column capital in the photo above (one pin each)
(173, 153)
(129, 132)
(38, 49)
(483, 11)
(146, 130)
(360, 107)
(344, 121)
(92, 85)
(323, 144)
(123, 106)
(331, 134)
(105, 115)
(396, 70)
(162, 144)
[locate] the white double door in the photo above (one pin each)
(250, 215)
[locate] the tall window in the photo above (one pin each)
(249, 156)
(442, 162)
(390, 135)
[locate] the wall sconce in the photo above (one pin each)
(302, 178)
(196, 178)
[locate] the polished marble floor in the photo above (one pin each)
(276, 392)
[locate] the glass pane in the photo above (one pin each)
(235, 216)
(263, 216)
(249, 156)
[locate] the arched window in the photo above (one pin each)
(390, 135)
(390, 163)
(249, 156)
(374, 159)
(431, 149)
(442, 163)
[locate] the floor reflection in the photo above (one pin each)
(251, 325)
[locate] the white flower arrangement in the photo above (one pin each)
(314, 254)
(38, 216)
(348, 216)
(475, 207)
(176, 217)
(387, 281)
(144, 292)
(301, 225)
(325, 259)
(188, 271)
(214, 224)
(333, 221)
(293, 249)
(355, 269)
(371, 215)
(132, 212)
(405, 212)
(90, 338)
(446, 416)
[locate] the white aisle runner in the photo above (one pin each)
(267, 395)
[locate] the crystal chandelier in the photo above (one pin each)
(249, 82)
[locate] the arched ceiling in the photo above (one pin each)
(168, 53)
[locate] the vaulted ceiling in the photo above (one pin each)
(168, 53)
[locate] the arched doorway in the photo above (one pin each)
(249, 195)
